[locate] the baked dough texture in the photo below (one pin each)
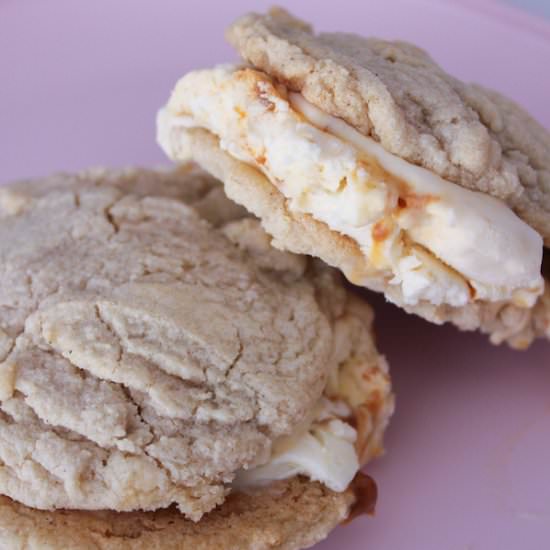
(152, 343)
(290, 515)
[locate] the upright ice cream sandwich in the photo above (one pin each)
(168, 379)
(365, 153)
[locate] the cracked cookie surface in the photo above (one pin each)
(144, 357)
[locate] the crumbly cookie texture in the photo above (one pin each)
(302, 234)
(144, 356)
(395, 93)
(290, 515)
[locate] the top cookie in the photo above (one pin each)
(147, 356)
(395, 93)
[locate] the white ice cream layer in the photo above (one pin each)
(440, 242)
(323, 452)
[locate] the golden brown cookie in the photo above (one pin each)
(290, 515)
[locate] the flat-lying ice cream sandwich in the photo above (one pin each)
(368, 155)
(160, 360)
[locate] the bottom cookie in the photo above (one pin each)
(288, 515)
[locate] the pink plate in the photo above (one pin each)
(468, 462)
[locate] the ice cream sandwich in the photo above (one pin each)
(365, 153)
(170, 380)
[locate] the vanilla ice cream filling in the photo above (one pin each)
(437, 241)
(322, 448)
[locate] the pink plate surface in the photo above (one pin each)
(468, 461)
